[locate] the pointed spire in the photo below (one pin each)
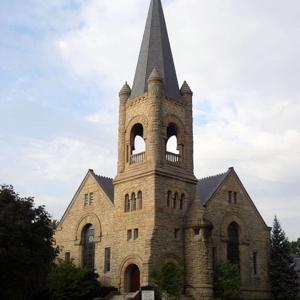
(185, 89)
(156, 53)
(125, 90)
(154, 76)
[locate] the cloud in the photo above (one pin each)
(240, 59)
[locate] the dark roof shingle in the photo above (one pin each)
(107, 185)
(207, 186)
(155, 53)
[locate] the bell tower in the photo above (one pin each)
(154, 186)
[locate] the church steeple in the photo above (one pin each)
(156, 53)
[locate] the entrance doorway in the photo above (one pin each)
(132, 278)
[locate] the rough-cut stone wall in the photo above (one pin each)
(99, 214)
(253, 235)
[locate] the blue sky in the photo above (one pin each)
(62, 63)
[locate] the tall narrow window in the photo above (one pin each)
(86, 199)
(233, 252)
(91, 198)
(181, 202)
(169, 199)
(229, 196)
(255, 263)
(107, 260)
(140, 200)
(67, 256)
(127, 203)
(133, 201)
(235, 197)
(88, 247)
(177, 233)
(175, 200)
(129, 234)
(135, 234)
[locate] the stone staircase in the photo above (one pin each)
(125, 297)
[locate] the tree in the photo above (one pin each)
(169, 279)
(283, 277)
(295, 247)
(227, 281)
(26, 250)
(66, 281)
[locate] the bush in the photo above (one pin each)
(227, 281)
(169, 278)
(66, 281)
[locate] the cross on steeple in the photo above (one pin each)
(156, 53)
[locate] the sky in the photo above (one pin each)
(62, 63)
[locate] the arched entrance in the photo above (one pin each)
(132, 278)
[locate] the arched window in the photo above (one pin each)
(233, 251)
(88, 247)
(133, 201)
(127, 203)
(172, 145)
(169, 199)
(175, 199)
(140, 200)
(137, 144)
(181, 202)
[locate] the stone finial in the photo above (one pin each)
(125, 90)
(185, 89)
(154, 76)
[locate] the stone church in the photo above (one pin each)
(155, 209)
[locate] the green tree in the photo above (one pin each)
(283, 276)
(26, 250)
(295, 247)
(169, 279)
(66, 281)
(227, 281)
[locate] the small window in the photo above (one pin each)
(235, 197)
(181, 201)
(91, 198)
(86, 199)
(169, 199)
(196, 231)
(133, 201)
(127, 203)
(140, 200)
(107, 260)
(177, 233)
(255, 263)
(129, 234)
(67, 256)
(135, 234)
(175, 200)
(229, 196)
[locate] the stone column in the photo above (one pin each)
(189, 143)
(155, 92)
(123, 96)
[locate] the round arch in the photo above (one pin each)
(88, 219)
(126, 269)
(242, 229)
(170, 121)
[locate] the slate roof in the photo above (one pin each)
(297, 264)
(107, 185)
(207, 186)
(155, 53)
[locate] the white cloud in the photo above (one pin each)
(241, 60)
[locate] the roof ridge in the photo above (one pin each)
(213, 176)
(104, 176)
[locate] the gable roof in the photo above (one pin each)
(156, 53)
(107, 185)
(207, 186)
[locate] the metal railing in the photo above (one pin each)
(137, 158)
(173, 158)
